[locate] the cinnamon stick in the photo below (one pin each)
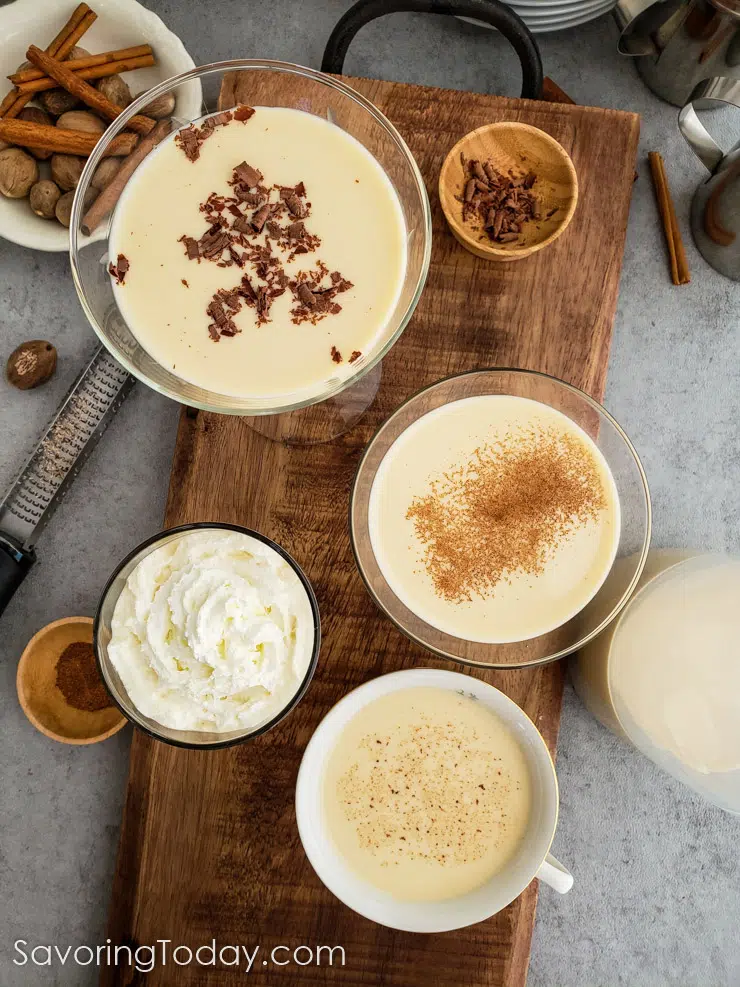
(8, 102)
(62, 141)
(86, 62)
(111, 193)
(68, 43)
(79, 88)
(81, 19)
(676, 253)
(100, 71)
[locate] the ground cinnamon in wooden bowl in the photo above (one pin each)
(59, 687)
(78, 680)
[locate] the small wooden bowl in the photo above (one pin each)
(41, 700)
(521, 148)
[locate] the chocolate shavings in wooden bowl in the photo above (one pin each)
(498, 204)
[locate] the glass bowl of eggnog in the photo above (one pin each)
(488, 511)
(260, 255)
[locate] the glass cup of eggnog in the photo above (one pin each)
(487, 513)
(427, 801)
(261, 248)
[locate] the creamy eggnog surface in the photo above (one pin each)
(259, 252)
(494, 518)
(674, 668)
(427, 794)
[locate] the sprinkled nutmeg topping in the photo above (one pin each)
(507, 509)
(450, 815)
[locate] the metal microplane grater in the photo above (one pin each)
(60, 453)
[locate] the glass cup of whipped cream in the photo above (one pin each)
(207, 635)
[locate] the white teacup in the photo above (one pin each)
(532, 858)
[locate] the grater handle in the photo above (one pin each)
(15, 562)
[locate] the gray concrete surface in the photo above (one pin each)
(657, 894)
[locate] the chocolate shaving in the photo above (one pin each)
(242, 193)
(119, 269)
(187, 139)
(231, 298)
(336, 355)
(216, 311)
(305, 296)
(246, 290)
(264, 300)
(356, 354)
(260, 217)
(247, 174)
(296, 206)
(499, 204)
(243, 113)
(212, 244)
(191, 247)
(296, 231)
(242, 225)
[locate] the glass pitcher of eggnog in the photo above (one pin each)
(666, 675)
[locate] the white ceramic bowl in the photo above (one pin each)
(120, 23)
(532, 859)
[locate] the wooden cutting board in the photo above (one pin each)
(209, 846)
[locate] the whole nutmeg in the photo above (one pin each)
(66, 170)
(43, 197)
(18, 172)
(103, 174)
(34, 114)
(81, 120)
(4, 145)
(31, 364)
(161, 107)
(63, 211)
(58, 101)
(116, 90)
(78, 52)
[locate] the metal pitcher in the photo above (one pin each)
(715, 209)
(678, 43)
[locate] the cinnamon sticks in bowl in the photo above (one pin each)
(74, 96)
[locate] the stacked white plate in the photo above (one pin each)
(542, 16)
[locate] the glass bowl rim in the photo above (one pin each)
(233, 65)
(614, 611)
(313, 602)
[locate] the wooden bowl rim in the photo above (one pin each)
(460, 230)
(30, 715)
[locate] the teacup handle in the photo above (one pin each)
(553, 873)
(711, 91)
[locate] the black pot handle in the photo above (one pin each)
(492, 12)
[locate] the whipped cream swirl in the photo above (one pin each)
(213, 631)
